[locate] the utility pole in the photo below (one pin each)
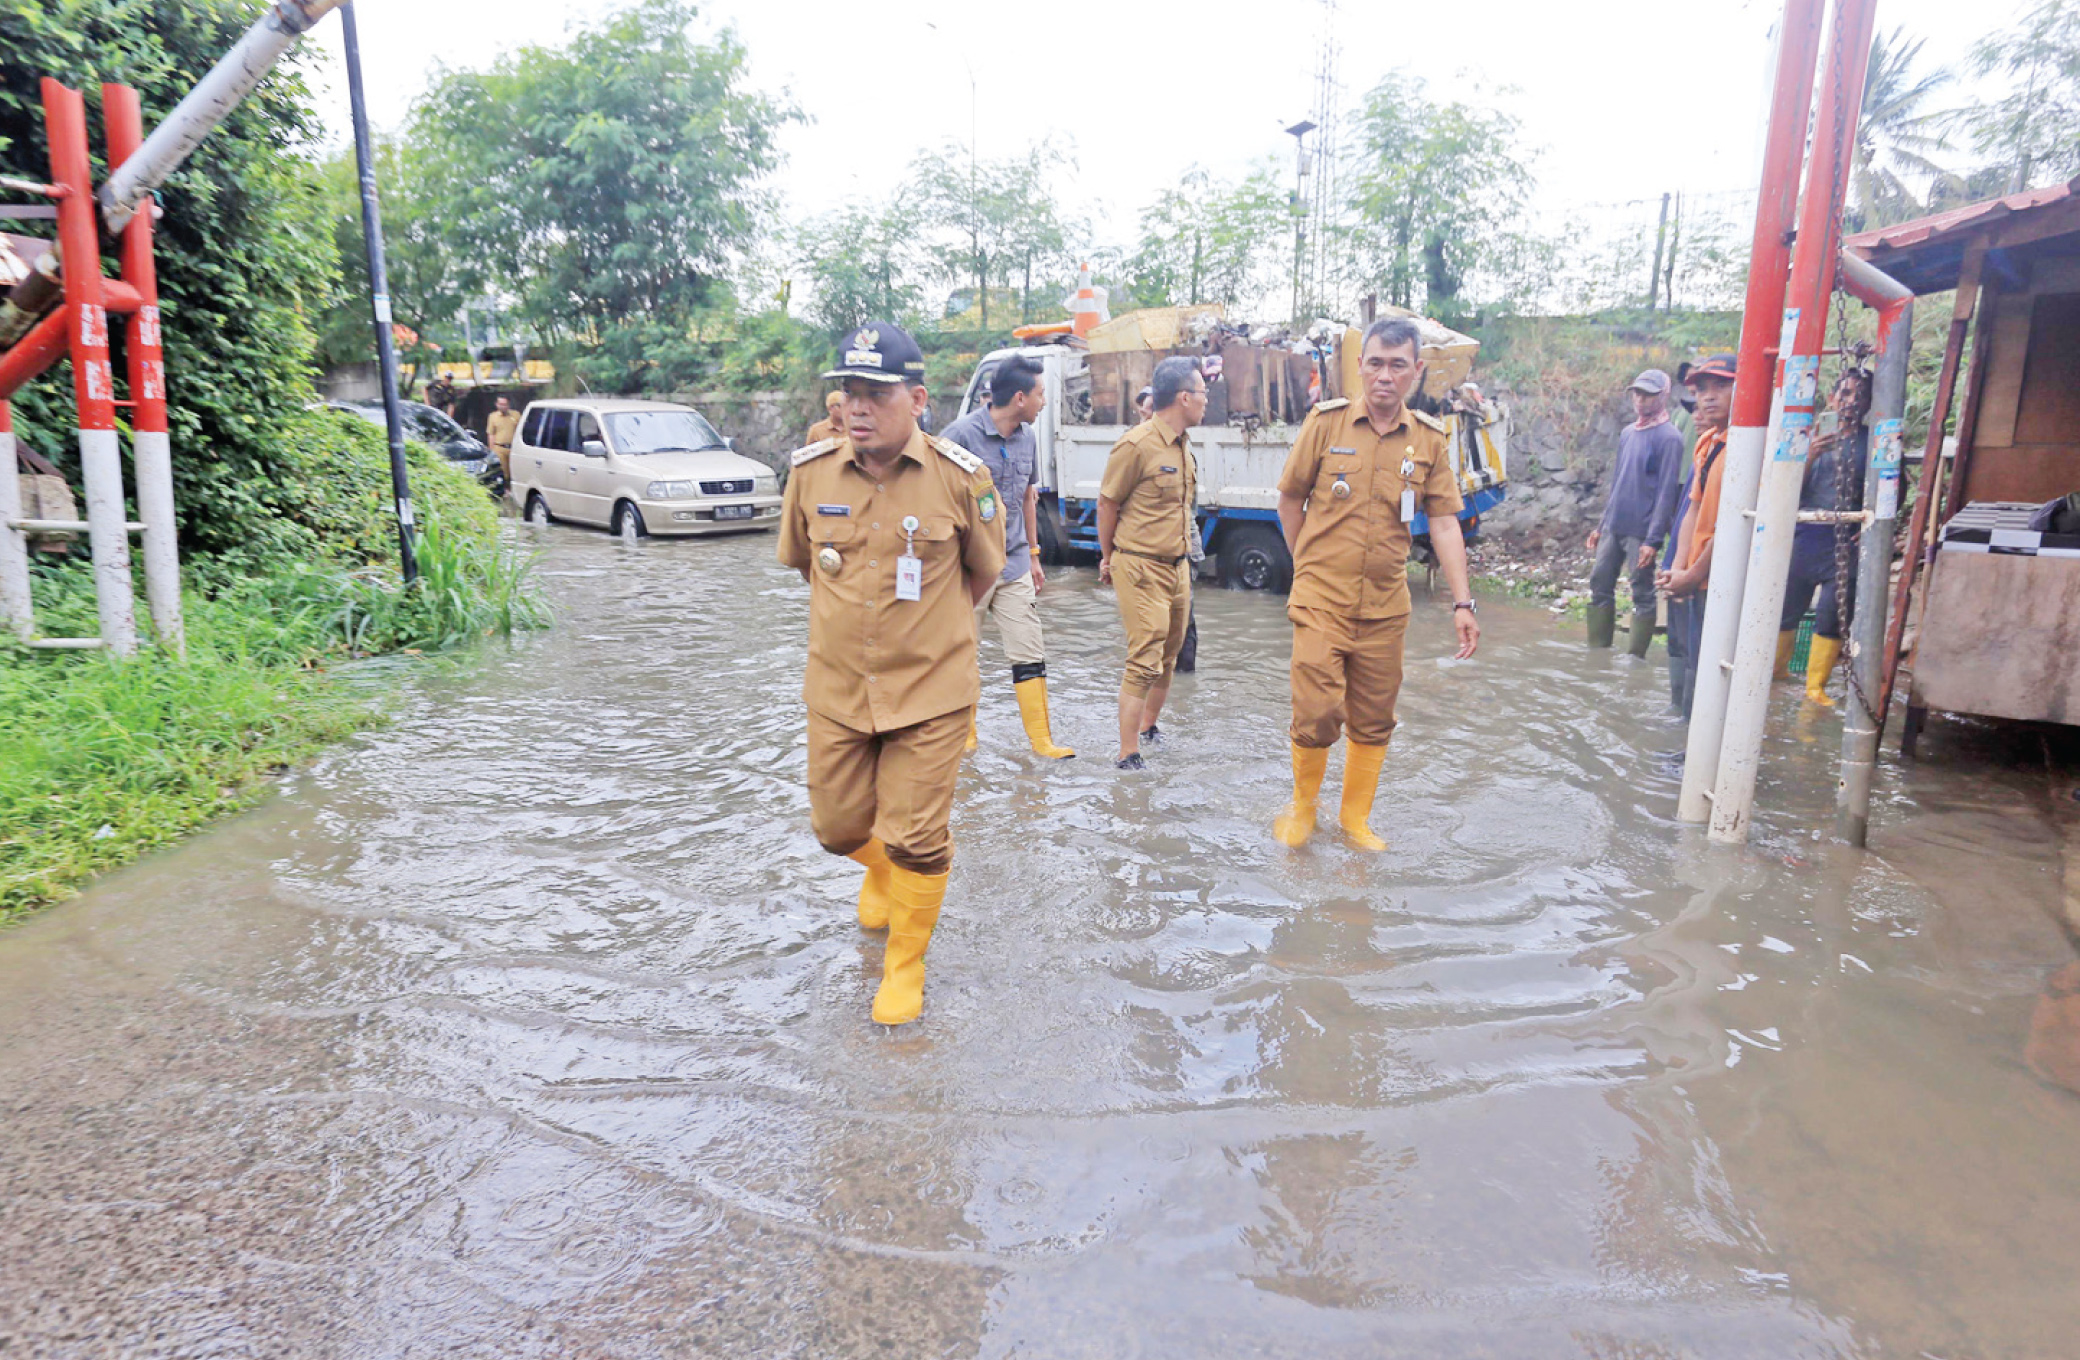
(379, 298)
(1660, 239)
(1852, 807)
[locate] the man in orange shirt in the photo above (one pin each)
(832, 426)
(1690, 566)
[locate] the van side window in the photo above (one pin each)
(556, 430)
(531, 432)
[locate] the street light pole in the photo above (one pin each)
(379, 298)
(1298, 132)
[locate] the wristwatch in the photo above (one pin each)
(1468, 605)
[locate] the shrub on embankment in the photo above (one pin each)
(102, 760)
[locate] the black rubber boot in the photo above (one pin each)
(1603, 624)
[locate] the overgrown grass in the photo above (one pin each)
(103, 760)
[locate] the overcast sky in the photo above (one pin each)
(1623, 99)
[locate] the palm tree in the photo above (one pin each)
(1895, 134)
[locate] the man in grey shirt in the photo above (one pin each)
(1644, 482)
(1001, 435)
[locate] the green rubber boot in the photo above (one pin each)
(1603, 624)
(1642, 633)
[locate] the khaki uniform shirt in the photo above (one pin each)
(1154, 480)
(1352, 557)
(877, 663)
(827, 428)
(500, 427)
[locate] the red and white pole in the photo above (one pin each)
(1798, 397)
(93, 381)
(1776, 211)
(150, 444)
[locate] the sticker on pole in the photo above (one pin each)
(1888, 494)
(1788, 338)
(1888, 441)
(93, 327)
(148, 326)
(1802, 380)
(1795, 437)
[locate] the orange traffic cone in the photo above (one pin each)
(1088, 306)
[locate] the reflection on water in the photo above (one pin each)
(537, 1025)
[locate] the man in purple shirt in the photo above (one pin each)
(1636, 520)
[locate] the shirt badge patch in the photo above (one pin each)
(834, 510)
(986, 504)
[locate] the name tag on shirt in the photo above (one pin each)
(1408, 494)
(834, 510)
(909, 578)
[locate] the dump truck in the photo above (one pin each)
(1257, 395)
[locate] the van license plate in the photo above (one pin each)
(735, 511)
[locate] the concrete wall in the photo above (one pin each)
(766, 425)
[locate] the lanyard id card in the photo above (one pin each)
(1408, 493)
(909, 571)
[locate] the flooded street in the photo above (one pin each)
(536, 1025)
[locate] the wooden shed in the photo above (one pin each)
(1999, 619)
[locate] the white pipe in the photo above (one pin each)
(214, 96)
(152, 454)
(108, 533)
(1768, 550)
(16, 610)
(1722, 605)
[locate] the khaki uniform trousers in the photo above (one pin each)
(896, 785)
(1017, 608)
(1346, 672)
(1155, 604)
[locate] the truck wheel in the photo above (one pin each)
(1254, 557)
(1047, 534)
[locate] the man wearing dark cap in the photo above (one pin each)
(1690, 565)
(899, 536)
(1635, 520)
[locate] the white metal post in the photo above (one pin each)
(108, 534)
(16, 610)
(152, 453)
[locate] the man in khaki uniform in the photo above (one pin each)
(832, 426)
(898, 535)
(499, 428)
(1350, 490)
(1144, 533)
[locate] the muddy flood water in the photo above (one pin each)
(536, 1025)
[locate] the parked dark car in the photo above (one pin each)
(440, 433)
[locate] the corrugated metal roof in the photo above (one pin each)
(1871, 244)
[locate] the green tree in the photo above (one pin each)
(995, 223)
(244, 251)
(1208, 241)
(2034, 128)
(1438, 193)
(604, 185)
(862, 264)
(1896, 133)
(418, 262)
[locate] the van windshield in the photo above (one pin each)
(662, 432)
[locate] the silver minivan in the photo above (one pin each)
(629, 465)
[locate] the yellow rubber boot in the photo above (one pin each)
(1032, 708)
(1360, 782)
(910, 923)
(1296, 823)
(1786, 640)
(1820, 665)
(974, 734)
(874, 898)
